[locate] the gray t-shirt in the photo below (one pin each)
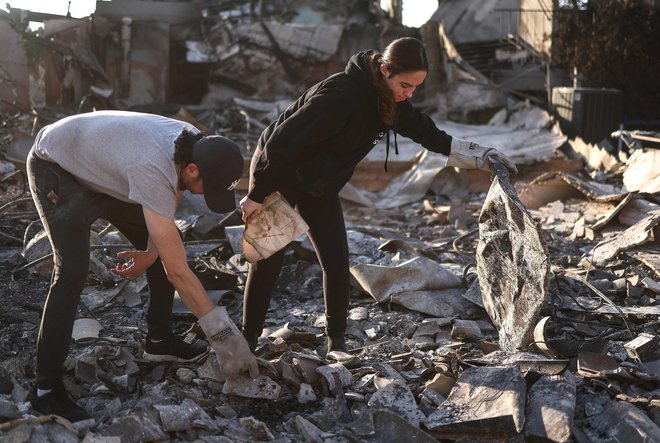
(127, 155)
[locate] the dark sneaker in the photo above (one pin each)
(174, 349)
(57, 402)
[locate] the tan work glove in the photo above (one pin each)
(469, 155)
(230, 347)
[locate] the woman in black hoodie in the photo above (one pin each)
(309, 153)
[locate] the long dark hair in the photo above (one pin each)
(402, 55)
(183, 146)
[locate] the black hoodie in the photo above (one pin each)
(317, 141)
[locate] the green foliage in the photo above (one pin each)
(615, 44)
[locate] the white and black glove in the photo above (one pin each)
(231, 349)
(469, 155)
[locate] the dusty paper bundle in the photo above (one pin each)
(277, 225)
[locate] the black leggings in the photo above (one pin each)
(67, 210)
(328, 235)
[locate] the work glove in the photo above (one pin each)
(230, 347)
(469, 155)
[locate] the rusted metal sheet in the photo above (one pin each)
(512, 263)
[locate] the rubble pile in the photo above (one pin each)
(434, 362)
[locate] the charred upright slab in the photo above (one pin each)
(512, 263)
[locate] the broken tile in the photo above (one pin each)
(93, 438)
(260, 387)
(390, 427)
(310, 433)
(441, 383)
(306, 366)
(398, 399)
(86, 329)
(328, 372)
(485, 401)
(551, 408)
(466, 330)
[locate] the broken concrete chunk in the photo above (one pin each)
(389, 373)
(512, 264)
(651, 284)
(86, 329)
(442, 384)
(551, 408)
(485, 401)
(311, 433)
(306, 366)
(306, 393)
(8, 410)
(398, 399)
(94, 298)
(354, 396)
(86, 368)
(260, 387)
(256, 429)
(390, 427)
(466, 330)
(90, 437)
(136, 427)
(620, 422)
(176, 418)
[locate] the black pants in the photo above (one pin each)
(327, 232)
(67, 210)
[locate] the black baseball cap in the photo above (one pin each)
(220, 164)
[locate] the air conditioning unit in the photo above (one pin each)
(589, 113)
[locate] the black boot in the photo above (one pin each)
(57, 402)
(337, 343)
(338, 352)
(251, 339)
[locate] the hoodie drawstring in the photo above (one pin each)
(387, 149)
